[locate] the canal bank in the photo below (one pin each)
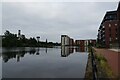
(91, 70)
(107, 63)
(88, 73)
(112, 58)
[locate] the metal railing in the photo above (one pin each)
(94, 68)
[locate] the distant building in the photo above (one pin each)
(71, 42)
(80, 43)
(66, 40)
(84, 43)
(109, 30)
(92, 42)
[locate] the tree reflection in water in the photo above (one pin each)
(18, 54)
(37, 51)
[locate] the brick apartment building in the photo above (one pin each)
(92, 42)
(84, 43)
(109, 30)
(80, 43)
(118, 18)
(67, 41)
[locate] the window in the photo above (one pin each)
(115, 24)
(110, 39)
(103, 26)
(103, 31)
(109, 25)
(110, 16)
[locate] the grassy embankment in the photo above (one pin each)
(103, 69)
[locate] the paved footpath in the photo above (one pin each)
(113, 58)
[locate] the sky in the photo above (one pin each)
(50, 20)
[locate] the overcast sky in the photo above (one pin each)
(79, 20)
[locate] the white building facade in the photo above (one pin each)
(65, 40)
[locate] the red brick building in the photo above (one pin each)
(80, 43)
(108, 33)
(118, 18)
(71, 42)
(84, 43)
(92, 42)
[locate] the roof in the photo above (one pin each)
(109, 13)
(64, 35)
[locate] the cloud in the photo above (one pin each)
(0, 18)
(60, 0)
(79, 20)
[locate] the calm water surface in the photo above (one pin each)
(62, 62)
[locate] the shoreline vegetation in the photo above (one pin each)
(12, 40)
(103, 69)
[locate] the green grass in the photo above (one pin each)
(102, 63)
(100, 58)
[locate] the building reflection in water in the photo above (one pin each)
(81, 49)
(67, 50)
